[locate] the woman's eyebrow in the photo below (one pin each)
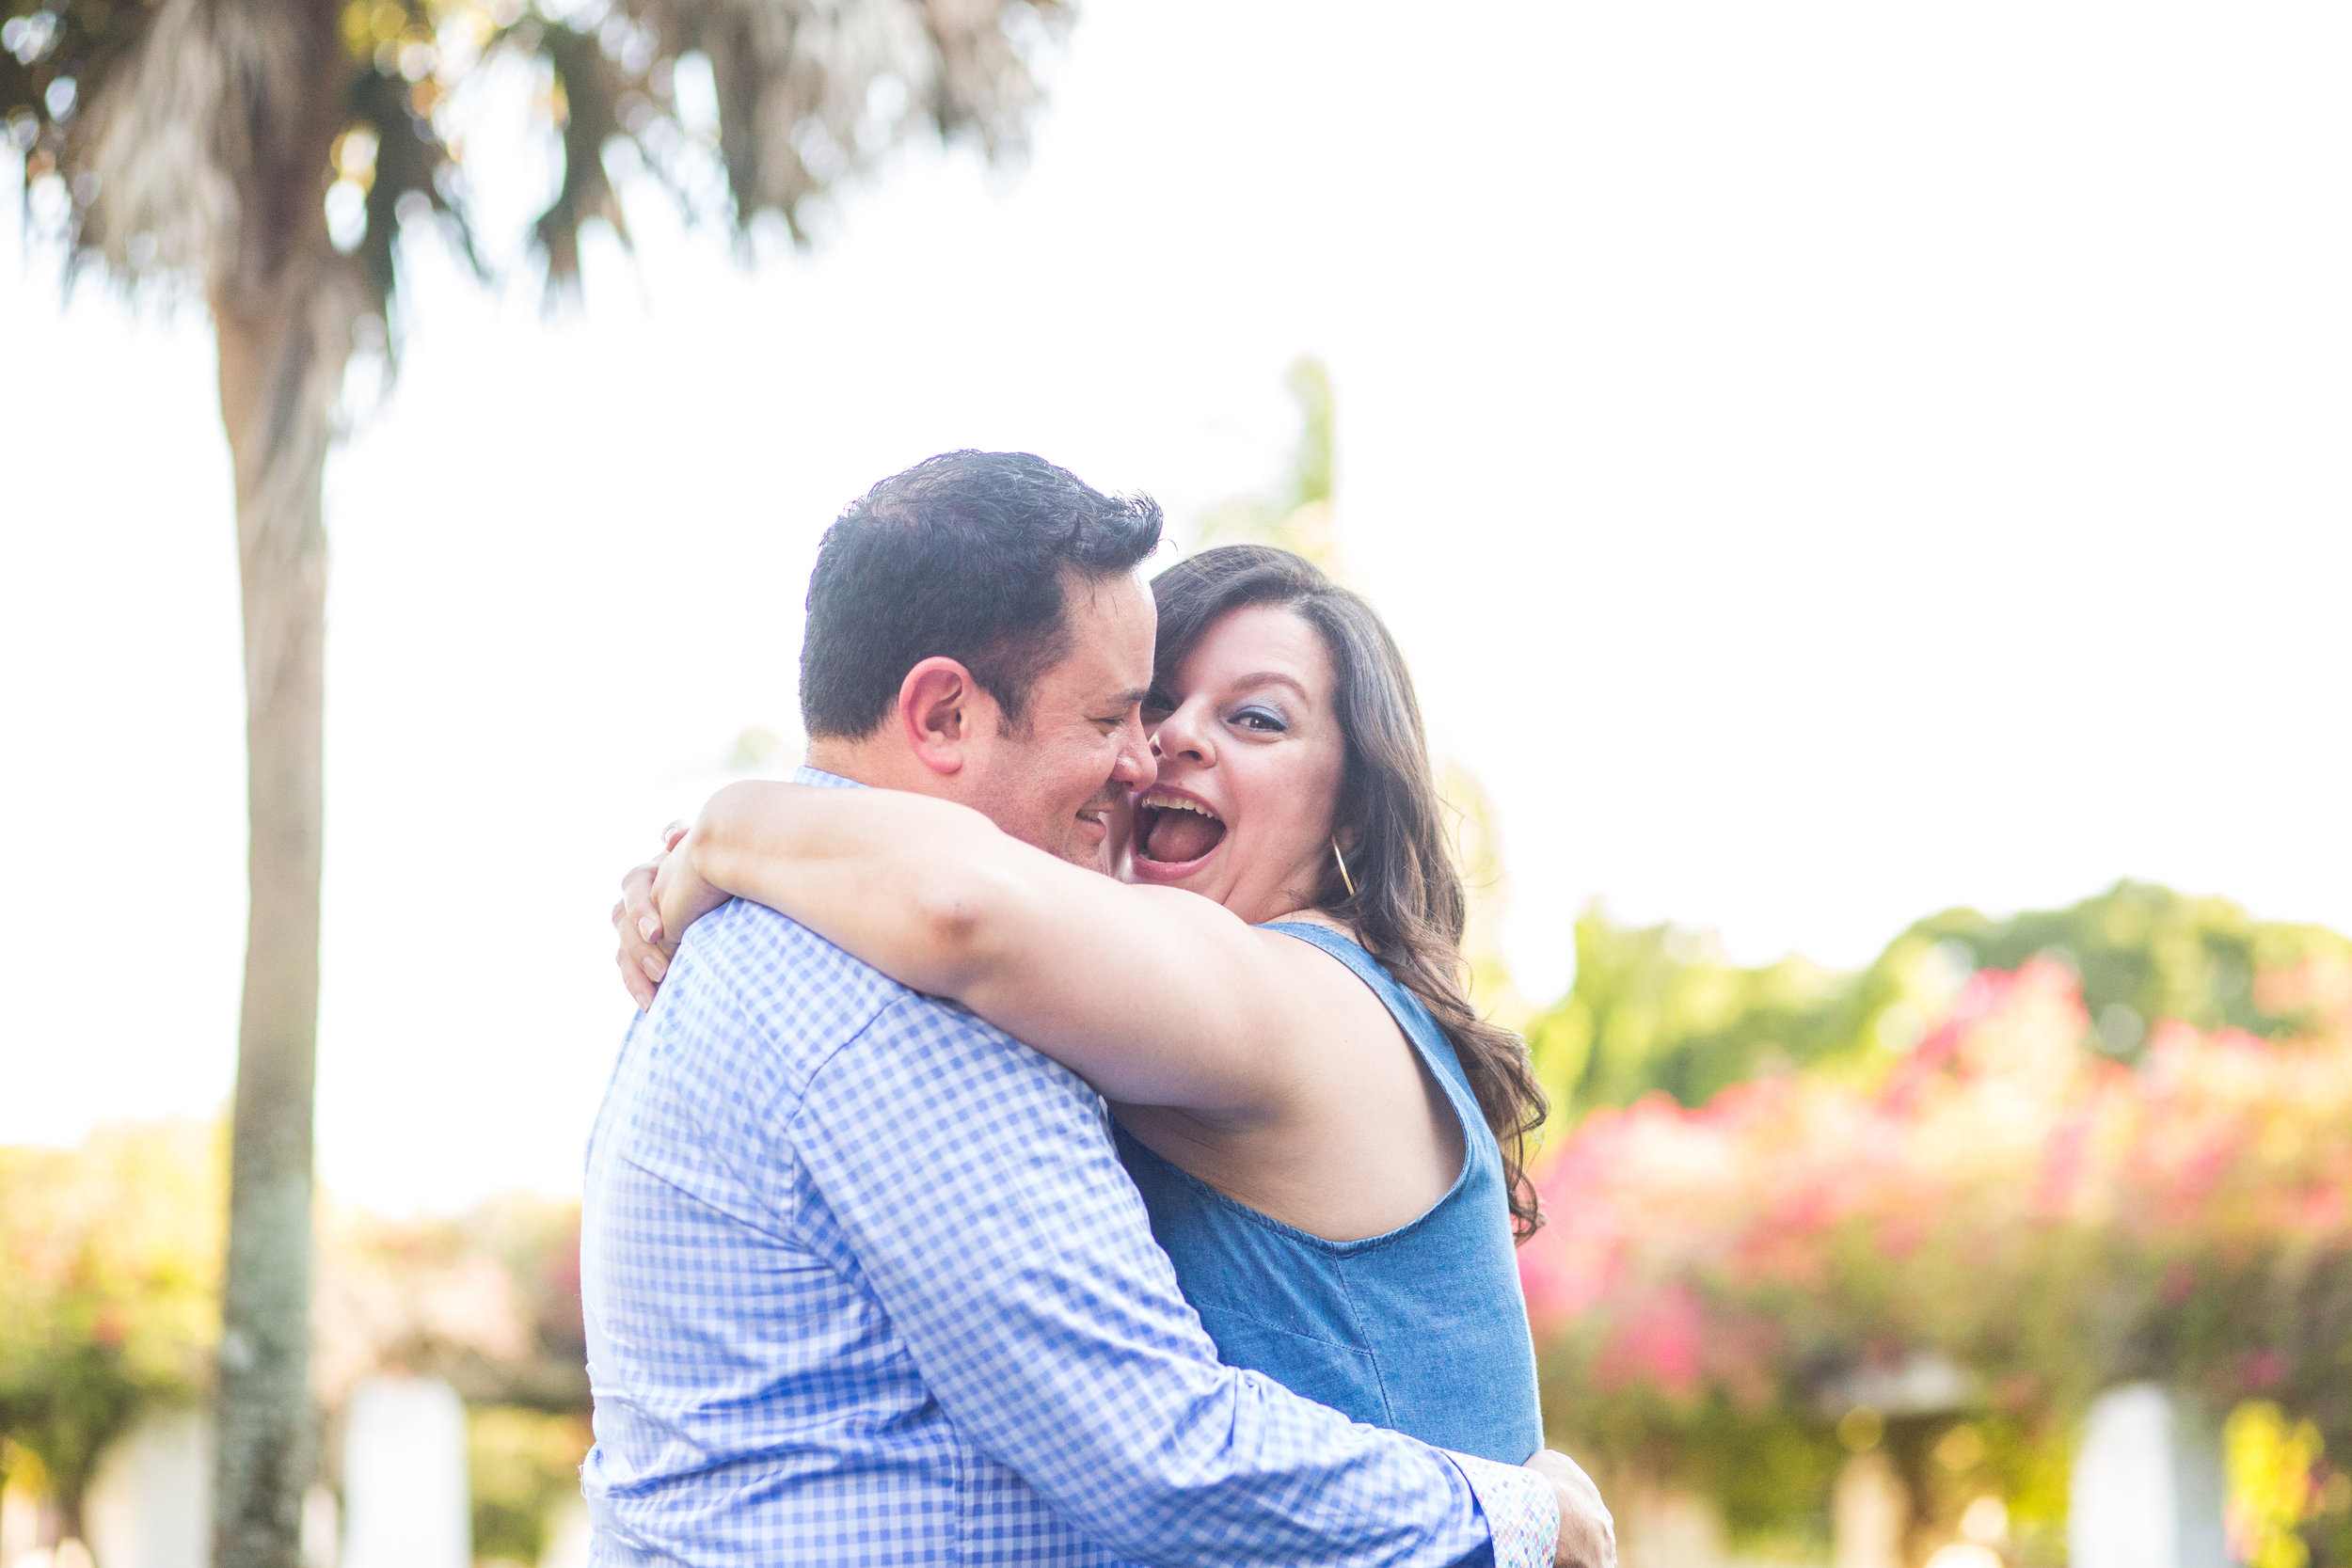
(1272, 677)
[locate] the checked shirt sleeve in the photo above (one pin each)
(1521, 1510)
(972, 1186)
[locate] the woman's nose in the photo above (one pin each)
(1180, 735)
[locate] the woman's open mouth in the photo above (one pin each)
(1174, 833)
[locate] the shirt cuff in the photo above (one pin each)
(1522, 1512)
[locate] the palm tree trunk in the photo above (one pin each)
(281, 360)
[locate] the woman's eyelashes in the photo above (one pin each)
(1260, 720)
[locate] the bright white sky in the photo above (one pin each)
(1825, 462)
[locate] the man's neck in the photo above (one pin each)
(877, 762)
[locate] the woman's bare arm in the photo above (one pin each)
(1153, 995)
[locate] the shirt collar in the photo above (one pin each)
(818, 778)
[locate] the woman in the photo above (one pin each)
(1329, 1141)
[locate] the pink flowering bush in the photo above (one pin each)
(1715, 1285)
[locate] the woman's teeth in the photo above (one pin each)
(1177, 829)
(1178, 803)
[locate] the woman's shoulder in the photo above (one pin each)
(1334, 956)
(1325, 960)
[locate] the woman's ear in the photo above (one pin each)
(939, 706)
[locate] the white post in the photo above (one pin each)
(2146, 1490)
(20, 1523)
(321, 1538)
(150, 1502)
(1667, 1528)
(1868, 1513)
(568, 1534)
(405, 1485)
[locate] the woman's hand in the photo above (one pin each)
(644, 955)
(681, 893)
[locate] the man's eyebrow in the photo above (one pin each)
(1128, 698)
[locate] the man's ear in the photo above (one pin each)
(941, 708)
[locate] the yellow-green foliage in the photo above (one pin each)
(523, 1463)
(2276, 1488)
(1297, 516)
(1718, 1286)
(1657, 1008)
(108, 1299)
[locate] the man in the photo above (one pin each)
(864, 1280)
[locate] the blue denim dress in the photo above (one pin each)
(1421, 1330)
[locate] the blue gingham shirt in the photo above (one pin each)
(865, 1283)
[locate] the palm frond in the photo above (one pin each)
(208, 142)
(55, 59)
(981, 83)
(588, 88)
(200, 136)
(411, 176)
(812, 94)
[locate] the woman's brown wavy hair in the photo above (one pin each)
(1409, 906)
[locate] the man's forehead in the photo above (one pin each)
(1120, 593)
(1111, 622)
(1095, 679)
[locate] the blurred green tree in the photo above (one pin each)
(1951, 1258)
(1298, 515)
(1478, 853)
(524, 1464)
(489, 1302)
(109, 1267)
(273, 151)
(2146, 953)
(1659, 1008)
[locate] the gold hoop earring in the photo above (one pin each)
(1345, 881)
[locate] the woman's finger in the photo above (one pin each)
(637, 918)
(643, 965)
(634, 983)
(638, 900)
(646, 955)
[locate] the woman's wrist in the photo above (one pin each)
(683, 892)
(695, 879)
(714, 846)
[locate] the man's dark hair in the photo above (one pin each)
(960, 557)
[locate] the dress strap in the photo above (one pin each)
(1411, 1014)
(1345, 948)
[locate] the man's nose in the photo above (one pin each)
(1137, 769)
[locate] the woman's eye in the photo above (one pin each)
(1260, 720)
